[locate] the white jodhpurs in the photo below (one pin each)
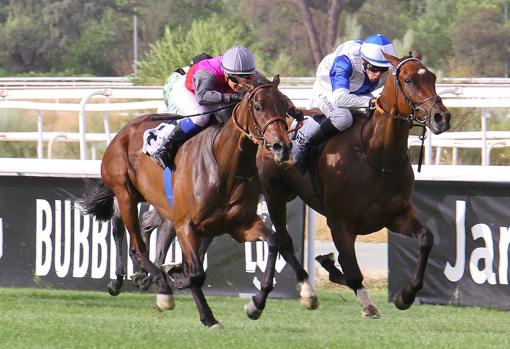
(183, 100)
(341, 118)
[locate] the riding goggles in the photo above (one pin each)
(375, 68)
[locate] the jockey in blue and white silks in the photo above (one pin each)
(345, 79)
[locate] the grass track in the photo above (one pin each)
(34, 318)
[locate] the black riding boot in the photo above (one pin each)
(304, 156)
(165, 156)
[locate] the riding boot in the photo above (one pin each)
(180, 134)
(304, 156)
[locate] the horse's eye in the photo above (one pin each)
(258, 107)
(407, 81)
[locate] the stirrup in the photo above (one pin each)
(162, 158)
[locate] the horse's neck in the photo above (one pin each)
(234, 152)
(386, 140)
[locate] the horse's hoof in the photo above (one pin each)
(370, 312)
(326, 257)
(252, 311)
(165, 301)
(400, 303)
(310, 303)
(112, 289)
(216, 327)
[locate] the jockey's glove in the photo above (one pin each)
(232, 97)
(371, 104)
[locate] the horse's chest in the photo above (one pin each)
(230, 208)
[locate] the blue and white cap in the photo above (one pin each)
(373, 47)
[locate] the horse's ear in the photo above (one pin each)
(418, 54)
(392, 59)
(276, 80)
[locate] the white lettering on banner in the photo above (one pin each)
(504, 243)
(481, 255)
(62, 265)
(99, 249)
(259, 259)
(43, 243)
(454, 274)
(482, 231)
(81, 245)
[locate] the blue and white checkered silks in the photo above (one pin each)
(373, 47)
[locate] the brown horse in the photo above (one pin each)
(216, 187)
(363, 178)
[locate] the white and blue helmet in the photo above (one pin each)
(373, 47)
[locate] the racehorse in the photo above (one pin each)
(362, 180)
(215, 188)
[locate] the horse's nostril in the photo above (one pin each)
(278, 147)
(438, 117)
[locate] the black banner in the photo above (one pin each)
(46, 242)
(469, 260)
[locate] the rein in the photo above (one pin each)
(259, 138)
(413, 106)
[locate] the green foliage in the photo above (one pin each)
(89, 54)
(433, 26)
(480, 41)
(178, 46)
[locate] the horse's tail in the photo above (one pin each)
(98, 201)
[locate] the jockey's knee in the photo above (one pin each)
(341, 119)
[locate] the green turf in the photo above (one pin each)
(36, 318)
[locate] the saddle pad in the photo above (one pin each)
(155, 138)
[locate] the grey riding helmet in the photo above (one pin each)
(238, 60)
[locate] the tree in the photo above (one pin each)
(178, 46)
(480, 43)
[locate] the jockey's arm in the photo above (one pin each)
(340, 76)
(343, 98)
(205, 83)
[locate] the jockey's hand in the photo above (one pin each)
(232, 97)
(298, 115)
(371, 104)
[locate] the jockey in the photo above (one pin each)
(206, 87)
(345, 80)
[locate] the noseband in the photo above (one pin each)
(413, 106)
(260, 131)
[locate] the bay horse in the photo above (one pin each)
(215, 188)
(363, 179)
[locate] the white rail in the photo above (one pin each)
(108, 95)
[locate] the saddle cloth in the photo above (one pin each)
(156, 138)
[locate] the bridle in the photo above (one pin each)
(413, 106)
(258, 138)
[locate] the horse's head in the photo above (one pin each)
(261, 117)
(415, 97)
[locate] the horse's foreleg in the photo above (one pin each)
(118, 233)
(194, 274)
(344, 242)
(129, 213)
(275, 194)
(166, 235)
(407, 224)
(257, 303)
